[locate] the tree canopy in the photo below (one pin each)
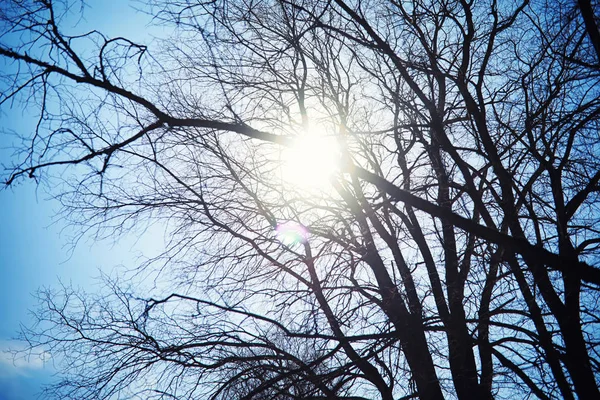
(362, 199)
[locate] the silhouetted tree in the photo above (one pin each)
(451, 252)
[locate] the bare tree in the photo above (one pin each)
(365, 199)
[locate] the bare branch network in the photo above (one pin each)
(363, 199)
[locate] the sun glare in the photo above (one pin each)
(311, 161)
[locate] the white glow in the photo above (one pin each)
(311, 161)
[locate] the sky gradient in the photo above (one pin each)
(34, 243)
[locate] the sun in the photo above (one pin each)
(311, 161)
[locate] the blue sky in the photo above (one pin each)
(34, 244)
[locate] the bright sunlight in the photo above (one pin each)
(311, 161)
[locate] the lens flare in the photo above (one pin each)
(290, 233)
